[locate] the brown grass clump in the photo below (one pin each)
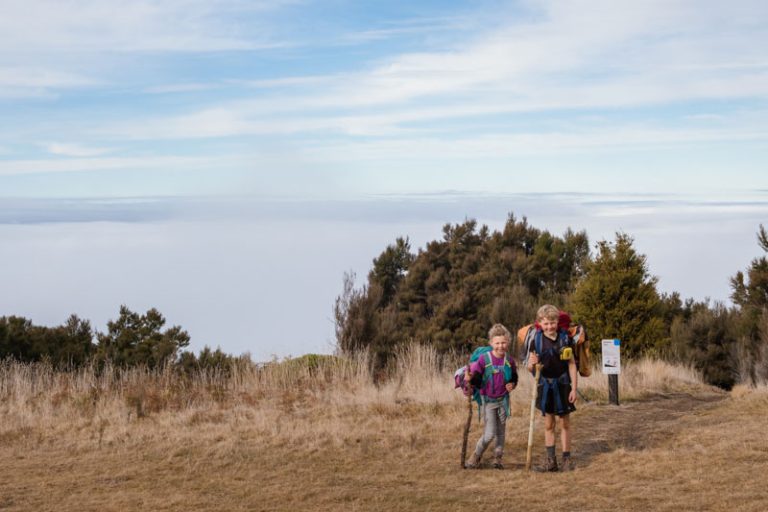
(319, 434)
(643, 378)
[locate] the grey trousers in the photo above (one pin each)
(495, 418)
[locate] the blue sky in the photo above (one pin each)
(386, 118)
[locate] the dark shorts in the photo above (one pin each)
(550, 407)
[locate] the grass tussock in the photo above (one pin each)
(310, 398)
(642, 378)
(750, 392)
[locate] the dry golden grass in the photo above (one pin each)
(289, 437)
(642, 379)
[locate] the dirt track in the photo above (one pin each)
(637, 425)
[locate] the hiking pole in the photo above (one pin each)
(465, 438)
(533, 417)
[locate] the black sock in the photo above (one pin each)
(551, 451)
(566, 454)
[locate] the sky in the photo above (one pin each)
(226, 161)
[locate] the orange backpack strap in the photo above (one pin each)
(522, 332)
(524, 339)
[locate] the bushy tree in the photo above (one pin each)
(207, 360)
(750, 293)
(67, 345)
(708, 339)
(14, 338)
(135, 339)
(617, 298)
(390, 268)
(456, 287)
(70, 344)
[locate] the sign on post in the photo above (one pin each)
(611, 357)
(612, 368)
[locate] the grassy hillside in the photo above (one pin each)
(321, 436)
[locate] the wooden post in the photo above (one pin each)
(613, 389)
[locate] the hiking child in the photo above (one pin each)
(499, 378)
(553, 349)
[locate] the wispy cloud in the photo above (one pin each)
(174, 88)
(37, 82)
(35, 77)
(573, 56)
(136, 26)
(292, 81)
(510, 145)
(416, 26)
(64, 37)
(402, 131)
(654, 46)
(37, 166)
(75, 150)
(544, 79)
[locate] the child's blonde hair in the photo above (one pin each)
(499, 330)
(548, 312)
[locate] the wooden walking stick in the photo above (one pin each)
(465, 439)
(533, 415)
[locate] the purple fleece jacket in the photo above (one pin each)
(495, 387)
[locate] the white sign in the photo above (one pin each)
(611, 357)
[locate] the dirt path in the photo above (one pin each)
(636, 425)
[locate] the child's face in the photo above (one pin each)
(549, 326)
(499, 344)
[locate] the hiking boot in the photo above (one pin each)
(549, 466)
(473, 462)
(567, 464)
(497, 462)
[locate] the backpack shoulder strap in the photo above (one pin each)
(526, 343)
(538, 342)
(488, 370)
(507, 368)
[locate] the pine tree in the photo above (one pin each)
(617, 298)
(135, 339)
(752, 293)
(390, 268)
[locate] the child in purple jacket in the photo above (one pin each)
(499, 378)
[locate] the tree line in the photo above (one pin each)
(448, 293)
(131, 340)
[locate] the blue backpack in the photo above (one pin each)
(478, 381)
